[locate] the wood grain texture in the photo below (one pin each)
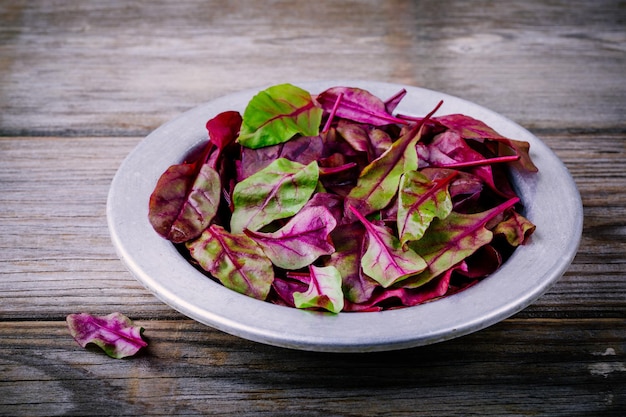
(82, 82)
(93, 68)
(518, 367)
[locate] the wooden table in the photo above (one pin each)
(82, 82)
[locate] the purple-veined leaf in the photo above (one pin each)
(385, 260)
(470, 128)
(378, 182)
(447, 242)
(357, 105)
(235, 260)
(115, 333)
(278, 191)
(301, 241)
(420, 200)
(184, 201)
(277, 114)
(404, 297)
(516, 229)
(324, 290)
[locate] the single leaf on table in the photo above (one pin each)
(301, 241)
(447, 242)
(385, 260)
(357, 105)
(324, 290)
(278, 191)
(277, 114)
(115, 333)
(420, 200)
(235, 260)
(184, 201)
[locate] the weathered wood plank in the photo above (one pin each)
(189, 369)
(114, 68)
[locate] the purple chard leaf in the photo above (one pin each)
(277, 114)
(235, 260)
(470, 128)
(184, 201)
(324, 290)
(224, 128)
(349, 248)
(357, 105)
(278, 191)
(385, 261)
(115, 334)
(301, 241)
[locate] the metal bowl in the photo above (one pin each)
(550, 199)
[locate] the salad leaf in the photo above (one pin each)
(516, 229)
(224, 128)
(235, 260)
(324, 290)
(278, 191)
(405, 297)
(301, 241)
(357, 105)
(115, 333)
(277, 114)
(385, 261)
(184, 201)
(470, 128)
(378, 182)
(420, 201)
(449, 241)
(349, 250)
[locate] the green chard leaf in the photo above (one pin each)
(324, 290)
(516, 229)
(420, 201)
(235, 260)
(378, 182)
(451, 240)
(277, 191)
(277, 114)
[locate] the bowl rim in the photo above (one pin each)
(550, 198)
